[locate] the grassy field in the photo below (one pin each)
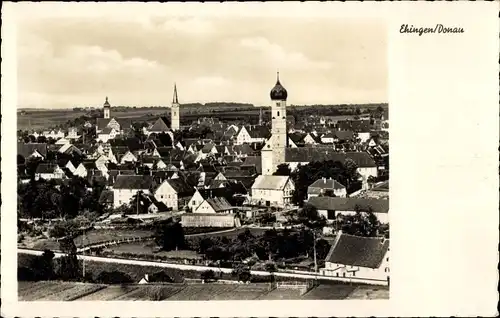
(149, 248)
(55, 290)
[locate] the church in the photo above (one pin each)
(277, 150)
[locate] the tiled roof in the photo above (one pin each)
(133, 182)
(26, 150)
(46, 168)
(180, 186)
(309, 154)
(258, 131)
(219, 204)
(107, 196)
(326, 184)
(349, 204)
(255, 161)
(358, 251)
(270, 182)
(161, 125)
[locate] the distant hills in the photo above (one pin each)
(210, 105)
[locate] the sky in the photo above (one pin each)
(66, 62)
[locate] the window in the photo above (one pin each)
(353, 273)
(343, 274)
(387, 259)
(278, 113)
(337, 274)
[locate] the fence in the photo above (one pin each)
(113, 242)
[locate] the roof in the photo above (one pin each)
(308, 154)
(133, 182)
(161, 125)
(326, 184)
(46, 168)
(270, 182)
(349, 204)
(253, 161)
(26, 150)
(219, 204)
(180, 186)
(258, 131)
(358, 251)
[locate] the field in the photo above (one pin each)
(55, 290)
(148, 248)
(98, 236)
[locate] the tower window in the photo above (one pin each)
(278, 112)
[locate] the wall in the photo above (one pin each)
(216, 220)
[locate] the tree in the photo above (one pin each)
(139, 203)
(69, 268)
(283, 170)
(242, 272)
(310, 217)
(169, 235)
(207, 275)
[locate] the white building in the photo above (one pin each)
(174, 193)
(126, 186)
(323, 185)
(333, 207)
(272, 190)
(359, 258)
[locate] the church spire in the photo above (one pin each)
(175, 99)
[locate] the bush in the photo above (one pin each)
(207, 275)
(114, 277)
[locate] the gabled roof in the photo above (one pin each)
(180, 186)
(161, 125)
(270, 182)
(138, 182)
(350, 204)
(309, 154)
(327, 184)
(107, 196)
(27, 150)
(219, 204)
(358, 251)
(258, 131)
(46, 168)
(255, 161)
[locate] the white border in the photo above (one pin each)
(444, 179)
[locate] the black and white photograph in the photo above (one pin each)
(189, 158)
(232, 159)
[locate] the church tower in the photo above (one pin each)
(174, 111)
(276, 146)
(107, 109)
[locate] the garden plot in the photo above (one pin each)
(202, 292)
(152, 293)
(36, 290)
(243, 292)
(338, 291)
(73, 291)
(370, 292)
(281, 294)
(109, 293)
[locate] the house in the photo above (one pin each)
(62, 141)
(209, 220)
(328, 138)
(214, 205)
(333, 207)
(174, 193)
(324, 186)
(69, 149)
(72, 133)
(106, 134)
(126, 186)
(128, 157)
(106, 198)
(48, 171)
(32, 150)
(358, 258)
(250, 134)
(295, 156)
(161, 125)
(272, 190)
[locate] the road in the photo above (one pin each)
(295, 274)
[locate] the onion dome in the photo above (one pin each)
(106, 103)
(278, 92)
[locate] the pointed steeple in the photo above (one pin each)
(106, 103)
(175, 99)
(278, 77)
